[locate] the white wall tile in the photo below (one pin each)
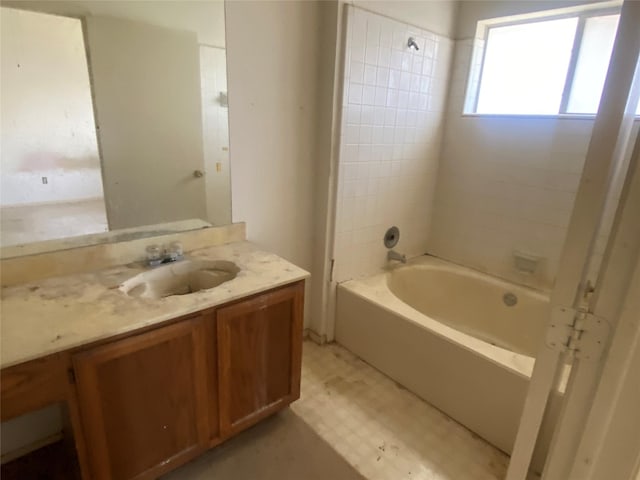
(489, 186)
(381, 96)
(384, 57)
(392, 97)
(371, 55)
(355, 93)
(396, 59)
(356, 72)
(357, 53)
(510, 185)
(370, 75)
(367, 115)
(382, 77)
(352, 114)
(368, 95)
(387, 164)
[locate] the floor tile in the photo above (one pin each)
(382, 429)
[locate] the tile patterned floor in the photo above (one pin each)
(383, 430)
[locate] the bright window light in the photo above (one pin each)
(593, 61)
(525, 67)
(548, 66)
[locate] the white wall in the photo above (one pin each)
(48, 128)
(505, 183)
(215, 134)
(390, 141)
(273, 53)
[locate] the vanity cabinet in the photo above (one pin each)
(142, 401)
(154, 400)
(259, 356)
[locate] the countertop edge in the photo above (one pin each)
(157, 321)
(24, 342)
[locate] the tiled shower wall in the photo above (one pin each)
(392, 118)
(506, 184)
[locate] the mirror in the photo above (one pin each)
(114, 116)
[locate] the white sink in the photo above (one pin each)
(180, 278)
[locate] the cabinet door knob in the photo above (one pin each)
(198, 173)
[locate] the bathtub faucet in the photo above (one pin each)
(393, 255)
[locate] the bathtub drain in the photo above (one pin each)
(509, 299)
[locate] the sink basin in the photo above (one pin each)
(180, 278)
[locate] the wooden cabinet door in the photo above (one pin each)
(143, 401)
(259, 356)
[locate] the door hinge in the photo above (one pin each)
(333, 262)
(577, 332)
(72, 376)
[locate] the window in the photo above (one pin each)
(592, 62)
(525, 67)
(545, 66)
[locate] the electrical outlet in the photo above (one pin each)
(45, 180)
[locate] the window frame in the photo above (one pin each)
(582, 17)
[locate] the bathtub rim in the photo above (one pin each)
(375, 289)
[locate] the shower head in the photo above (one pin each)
(411, 43)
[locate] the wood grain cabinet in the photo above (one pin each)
(142, 401)
(259, 355)
(155, 400)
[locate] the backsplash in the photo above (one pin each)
(90, 258)
(392, 117)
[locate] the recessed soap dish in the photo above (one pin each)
(526, 263)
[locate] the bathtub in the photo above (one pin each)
(447, 333)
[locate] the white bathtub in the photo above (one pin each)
(445, 333)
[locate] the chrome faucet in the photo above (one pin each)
(157, 255)
(393, 255)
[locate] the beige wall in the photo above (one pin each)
(273, 64)
(134, 196)
(204, 17)
(437, 16)
(329, 98)
(47, 117)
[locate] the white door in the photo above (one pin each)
(591, 314)
(146, 92)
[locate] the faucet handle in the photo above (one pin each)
(175, 250)
(154, 254)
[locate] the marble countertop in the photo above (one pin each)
(57, 314)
